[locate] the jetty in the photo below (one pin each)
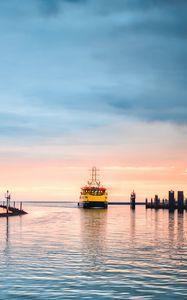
(132, 202)
(171, 203)
(8, 210)
(126, 203)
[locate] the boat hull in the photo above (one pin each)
(93, 197)
(93, 204)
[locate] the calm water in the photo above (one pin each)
(58, 251)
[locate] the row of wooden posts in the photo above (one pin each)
(4, 204)
(171, 203)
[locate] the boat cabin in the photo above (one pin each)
(92, 190)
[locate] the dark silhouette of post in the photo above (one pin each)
(7, 197)
(180, 199)
(133, 200)
(171, 200)
(156, 201)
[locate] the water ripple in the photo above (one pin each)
(61, 252)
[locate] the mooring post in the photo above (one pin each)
(133, 200)
(186, 203)
(14, 204)
(171, 201)
(156, 201)
(180, 199)
(20, 205)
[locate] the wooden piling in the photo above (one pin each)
(156, 202)
(186, 204)
(133, 204)
(171, 201)
(180, 200)
(133, 200)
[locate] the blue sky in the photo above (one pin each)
(88, 75)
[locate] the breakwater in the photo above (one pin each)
(172, 203)
(126, 203)
(11, 210)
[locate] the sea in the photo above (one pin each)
(59, 251)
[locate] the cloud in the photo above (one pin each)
(53, 7)
(92, 63)
(94, 82)
(137, 168)
(50, 7)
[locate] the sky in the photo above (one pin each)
(93, 83)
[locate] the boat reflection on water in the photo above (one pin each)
(93, 233)
(62, 252)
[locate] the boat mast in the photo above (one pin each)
(94, 180)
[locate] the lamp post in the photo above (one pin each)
(7, 197)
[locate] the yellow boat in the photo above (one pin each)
(93, 195)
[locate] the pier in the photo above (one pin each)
(126, 203)
(171, 203)
(9, 210)
(132, 202)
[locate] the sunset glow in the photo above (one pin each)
(84, 84)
